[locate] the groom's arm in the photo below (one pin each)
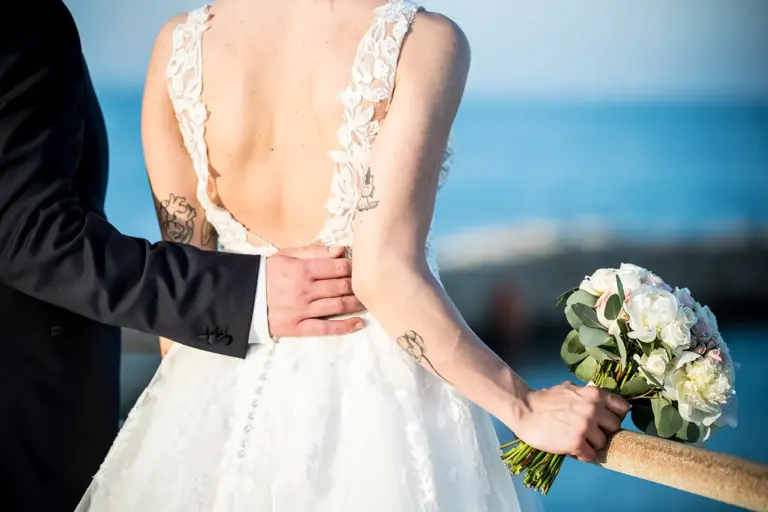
(54, 250)
(51, 249)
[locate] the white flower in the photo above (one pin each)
(677, 334)
(650, 310)
(703, 388)
(602, 281)
(655, 363)
(632, 277)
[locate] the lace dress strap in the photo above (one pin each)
(185, 86)
(372, 82)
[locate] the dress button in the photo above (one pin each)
(224, 339)
(211, 339)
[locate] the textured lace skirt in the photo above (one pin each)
(333, 424)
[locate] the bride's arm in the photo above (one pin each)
(390, 272)
(173, 180)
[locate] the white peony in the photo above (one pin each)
(677, 334)
(650, 310)
(703, 388)
(655, 364)
(632, 277)
(602, 281)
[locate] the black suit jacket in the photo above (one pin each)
(65, 272)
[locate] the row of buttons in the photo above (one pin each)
(255, 402)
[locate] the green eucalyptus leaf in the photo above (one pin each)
(666, 418)
(647, 348)
(613, 307)
(622, 350)
(572, 317)
(563, 297)
(635, 386)
(601, 354)
(593, 337)
(623, 327)
(572, 351)
(650, 377)
(586, 369)
(587, 315)
(582, 297)
(620, 287)
(658, 403)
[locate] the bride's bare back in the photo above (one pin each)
(271, 76)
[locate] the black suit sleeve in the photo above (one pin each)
(54, 250)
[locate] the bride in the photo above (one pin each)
(240, 114)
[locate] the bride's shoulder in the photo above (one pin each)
(436, 41)
(165, 41)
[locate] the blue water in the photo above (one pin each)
(652, 169)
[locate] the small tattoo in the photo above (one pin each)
(177, 219)
(366, 201)
(413, 343)
(208, 235)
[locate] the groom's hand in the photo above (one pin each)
(306, 285)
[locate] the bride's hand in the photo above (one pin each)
(306, 285)
(569, 419)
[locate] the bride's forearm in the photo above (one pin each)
(416, 311)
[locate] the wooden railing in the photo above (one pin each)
(717, 476)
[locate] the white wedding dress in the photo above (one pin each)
(331, 424)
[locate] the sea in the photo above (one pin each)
(651, 169)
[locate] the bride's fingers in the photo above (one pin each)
(334, 307)
(330, 288)
(315, 327)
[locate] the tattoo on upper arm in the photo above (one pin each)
(177, 219)
(208, 234)
(366, 201)
(413, 343)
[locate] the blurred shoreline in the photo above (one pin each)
(505, 281)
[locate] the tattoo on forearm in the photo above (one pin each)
(366, 201)
(208, 234)
(177, 219)
(413, 343)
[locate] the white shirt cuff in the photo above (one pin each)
(260, 324)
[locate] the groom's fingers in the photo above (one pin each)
(313, 252)
(334, 307)
(330, 288)
(315, 327)
(329, 269)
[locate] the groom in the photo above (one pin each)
(65, 272)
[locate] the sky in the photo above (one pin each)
(528, 49)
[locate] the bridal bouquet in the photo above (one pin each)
(657, 347)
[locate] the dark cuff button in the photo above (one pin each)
(224, 339)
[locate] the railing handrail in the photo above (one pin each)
(718, 476)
